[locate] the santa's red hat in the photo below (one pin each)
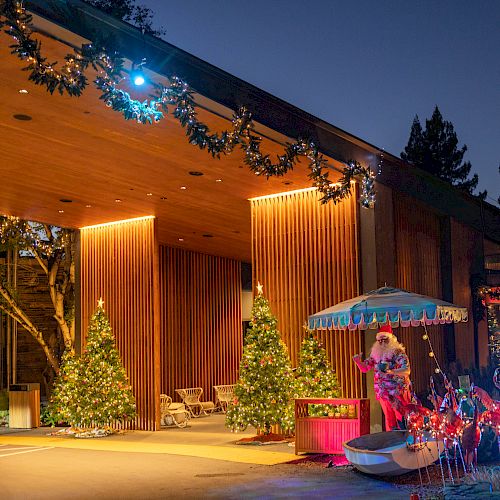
(385, 330)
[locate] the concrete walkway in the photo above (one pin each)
(205, 437)
(202, 461)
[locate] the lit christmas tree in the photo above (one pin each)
(93, 391)
(64, 398)
(266, 388)
(315, 377)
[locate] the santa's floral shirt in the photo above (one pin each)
(390, 386)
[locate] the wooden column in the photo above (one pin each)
(119, 262)
(307, 257)
(418, 269)
(466, 244)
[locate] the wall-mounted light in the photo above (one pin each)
(137, 73)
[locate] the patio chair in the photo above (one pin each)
(224, 395)
(173, 413)
(191, 397)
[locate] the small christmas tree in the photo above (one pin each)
(264, 393)
(315, 377)
(93, 391)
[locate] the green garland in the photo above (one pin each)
(71, 79)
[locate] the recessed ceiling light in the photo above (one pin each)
(218, 180)
(65, 200)
(207, 235)
(61, 211)
(183, 187)
(196, 173)
(23, 118)
(118, 200)
(88, 206)
(23, 91)
(287, 183)
(149, 194)
(86, 112)
(180, 239)
(163, 198)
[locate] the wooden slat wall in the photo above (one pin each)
(201, 328)
(418, 269)
(464, 242)
(119, 263)
(306, 256)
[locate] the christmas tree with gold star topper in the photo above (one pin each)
(315, 377)
(93, 391)
(266, 388)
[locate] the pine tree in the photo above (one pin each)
(266, 388)
(315, 377)
(93, 391)
(435, 150)
(127, 10)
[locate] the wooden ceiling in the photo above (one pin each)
(78, 149)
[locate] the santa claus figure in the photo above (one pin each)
(391, 366)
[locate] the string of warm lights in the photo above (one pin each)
(432, 354)
(488, 295)
(71, 79)
(28, 235)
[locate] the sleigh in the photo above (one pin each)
(391, 453)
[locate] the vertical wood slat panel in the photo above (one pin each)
(418, 269)
(464, 240)
(201, 330)
(118, 264)
(306, 256)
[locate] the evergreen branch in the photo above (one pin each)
(71, 79)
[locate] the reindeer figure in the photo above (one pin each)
(471, 436)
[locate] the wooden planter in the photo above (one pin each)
(326, 434)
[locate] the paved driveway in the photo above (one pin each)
(62, 473)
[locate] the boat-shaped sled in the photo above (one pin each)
(391, 453)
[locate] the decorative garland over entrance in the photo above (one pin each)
(71, 79)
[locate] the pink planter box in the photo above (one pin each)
(326, 434)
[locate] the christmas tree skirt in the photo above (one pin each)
(84, 433)
(263, 439)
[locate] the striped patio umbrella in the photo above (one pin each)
(387, 305)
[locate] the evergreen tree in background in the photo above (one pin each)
(127, 10)
(266, 388)
(435, 150)
(93, 391)
(315, 377)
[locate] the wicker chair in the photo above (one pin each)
(173, 413)
(191, 397)
(224, 395)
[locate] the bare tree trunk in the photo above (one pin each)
(10, 307)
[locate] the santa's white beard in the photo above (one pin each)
(385, 351)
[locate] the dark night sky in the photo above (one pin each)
(367, 66)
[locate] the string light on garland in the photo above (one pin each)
(180, 97)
